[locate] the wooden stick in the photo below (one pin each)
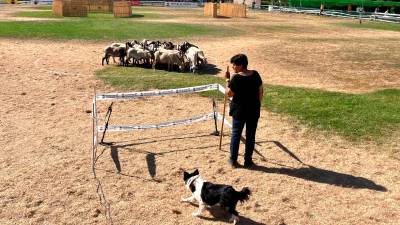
(222, 123)
(227, 76)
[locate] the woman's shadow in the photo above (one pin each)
(324, 176)
(308, 172)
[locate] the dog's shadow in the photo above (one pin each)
(219, 215)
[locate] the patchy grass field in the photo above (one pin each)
(104, 29)
(317, 74)
(49, 14)
(373, 25)
(148, 79)
(369, 116)
(102, 26)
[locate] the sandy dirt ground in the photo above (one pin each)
(302, 177)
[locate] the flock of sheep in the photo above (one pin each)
(150, 53)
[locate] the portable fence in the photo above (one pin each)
(134, 95)
(122, 9)
(78, 8)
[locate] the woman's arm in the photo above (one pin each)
(228, 91)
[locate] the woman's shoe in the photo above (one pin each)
(234, 164)
(248, 164)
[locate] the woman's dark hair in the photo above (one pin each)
(240, 60)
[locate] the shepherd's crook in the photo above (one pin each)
(227, 76)
(222, 123)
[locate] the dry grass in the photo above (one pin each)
(46, 138)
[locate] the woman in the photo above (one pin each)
(246, 88)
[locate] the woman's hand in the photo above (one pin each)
(228, 91)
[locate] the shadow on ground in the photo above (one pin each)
(136, 16)
(311, 173)
(209, 69)
(221, 216)
(218, 215)
(325, 176)
(151, 156)
(306, 172)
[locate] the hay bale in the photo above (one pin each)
(57, 8)
(103, 6)
(122, 9)
(232, 10)
(77, 8)
(210, 9)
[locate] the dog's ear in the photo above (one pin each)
(196, 172)
(185, 175)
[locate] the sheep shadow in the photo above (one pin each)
(209, 69)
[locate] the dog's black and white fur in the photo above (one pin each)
(210, 194)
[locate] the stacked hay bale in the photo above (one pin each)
(122, 9)
(232, 10)
(77, 8)
(104, 6)
(58, 8)
(210, 9)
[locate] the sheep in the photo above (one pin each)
(185, 46)
(114, 45)
(137, 55)
(168, 45)
(133, 44)
(193, 54)
(164, 50)
(168, 57)
(144, 43)
(153, 46)
(195, 58)
(114, 52)
(153, 52)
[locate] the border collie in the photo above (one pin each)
(207, 193)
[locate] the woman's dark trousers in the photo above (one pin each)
(237, 128)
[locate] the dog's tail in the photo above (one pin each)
(243, 195)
